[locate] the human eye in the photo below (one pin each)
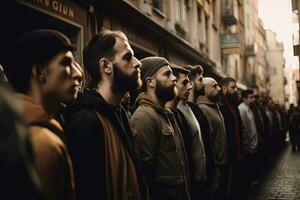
(66, 61)
(128, 57)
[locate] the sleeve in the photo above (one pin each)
(85, 141)
(245, 136)
(143, 125)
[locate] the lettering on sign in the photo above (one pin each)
(57, 6)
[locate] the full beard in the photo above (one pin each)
(215, 98)
(233, 99)
(199, 92)
(123, 82)
(165, 93)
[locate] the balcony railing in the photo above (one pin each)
(228, 13)
(229, 40)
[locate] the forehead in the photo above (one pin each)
(164, 69)
(182, 77)
(210, 82)
(232, 84)
(122, 45)
(66, 55)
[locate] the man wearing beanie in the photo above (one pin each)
(158, 135)
(42, 76)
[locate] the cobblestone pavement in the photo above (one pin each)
(281, 179)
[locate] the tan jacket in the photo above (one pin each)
(160, 144)
(52, 158)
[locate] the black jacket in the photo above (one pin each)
(234, 138)
(85, 141)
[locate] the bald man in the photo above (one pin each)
(208, 104)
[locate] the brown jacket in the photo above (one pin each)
(52, 158)
(216, 122)
(160, 145)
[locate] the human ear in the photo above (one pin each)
(106, 65)
(38, 72)
(151, 82)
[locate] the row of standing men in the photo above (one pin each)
(187, 137)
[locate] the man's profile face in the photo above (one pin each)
(212, 89)
(165, 88)
(58, 82)
(231, 92)
(183, 86)
(126, 68)
(198, 85)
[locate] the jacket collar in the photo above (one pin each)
(205, 100)
(144, 99)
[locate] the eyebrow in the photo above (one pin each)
(66, 60)
(168, 71)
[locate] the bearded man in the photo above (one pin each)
(158, 135)
(98, 133)
(234, 127)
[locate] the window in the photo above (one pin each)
(207, 33)
(199, 14)
(158, 4)
(214, 6)
(188, 4)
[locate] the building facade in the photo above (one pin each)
(224, 36)
(296, 38)
(276, 65)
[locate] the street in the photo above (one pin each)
(280, 179)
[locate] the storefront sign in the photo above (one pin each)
(63, 8)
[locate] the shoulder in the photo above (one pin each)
(144, 112)
(45, 141)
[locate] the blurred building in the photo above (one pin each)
(261, 64)
(276, 65)
(183, 31)
(251, 18)
(232, 39)
(225, 36)
(296, 38)
(291, 93)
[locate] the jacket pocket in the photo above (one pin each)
(167, 139)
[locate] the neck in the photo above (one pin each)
(184, 101)
(192, 98)
(112, 98)
(246, 103)
(49, 103)
(173, 104)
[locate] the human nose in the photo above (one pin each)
(137, 63)
(173, 78)
(189, 86)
